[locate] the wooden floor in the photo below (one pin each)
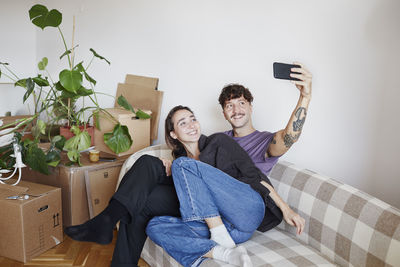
(72, 253)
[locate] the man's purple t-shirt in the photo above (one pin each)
(256, 144)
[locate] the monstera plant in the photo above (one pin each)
(69, 98)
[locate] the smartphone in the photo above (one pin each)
(107, 159)
(282, 71)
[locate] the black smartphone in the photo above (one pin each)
(107, 159)
(282, 71)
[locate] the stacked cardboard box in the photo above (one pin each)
(141, 92)
(139, 130)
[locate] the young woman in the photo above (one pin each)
(145, 191)
(223, 197)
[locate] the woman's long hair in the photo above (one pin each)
(177, 147)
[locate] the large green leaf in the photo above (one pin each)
(80, 68)
(71, 80)
(43, 64)
(89, 78)
(42, 17)
(53, 158)
(65, 94)
(74, 156)
(39, 128)
(119, 140)
(21, 83)
(40, 81)
(98, 56)
(142, 115)
(77, 143)
(75, 130)
(125, 104)
(30, 85)
(36, 159)
(58, 141)
(84, 92)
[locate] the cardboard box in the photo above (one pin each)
(139, 130)
(141, 92)
(71, 180)
(32, 226)
(100, 186)
(145, 82)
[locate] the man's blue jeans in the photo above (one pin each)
(205, 192)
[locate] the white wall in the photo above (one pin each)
(196, 47)
(18, 48)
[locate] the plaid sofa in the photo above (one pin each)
(344, 226)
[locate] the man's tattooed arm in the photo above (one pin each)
(290, 139)
(285, 138)
(298, 124)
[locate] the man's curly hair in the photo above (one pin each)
(232, 91)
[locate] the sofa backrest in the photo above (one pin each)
(347, 225)
(160, 151)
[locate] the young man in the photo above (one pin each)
(263, 147)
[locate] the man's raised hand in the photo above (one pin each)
(305, 83)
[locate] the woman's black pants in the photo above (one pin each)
(145, 191)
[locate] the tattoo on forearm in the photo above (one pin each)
(298, 124)
(289, 139)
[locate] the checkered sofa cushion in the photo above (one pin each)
(344, 226)
(347, 225)
(276, 248)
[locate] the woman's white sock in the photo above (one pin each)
(222, 237)
(236, 256)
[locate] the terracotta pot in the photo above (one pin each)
(66, 132)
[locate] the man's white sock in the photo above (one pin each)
(236, 256)
(222, 237)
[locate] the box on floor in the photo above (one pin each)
(71, 180)
(29, 227)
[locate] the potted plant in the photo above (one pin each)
(56, 100)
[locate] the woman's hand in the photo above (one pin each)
(293, 219)
(167, 164)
